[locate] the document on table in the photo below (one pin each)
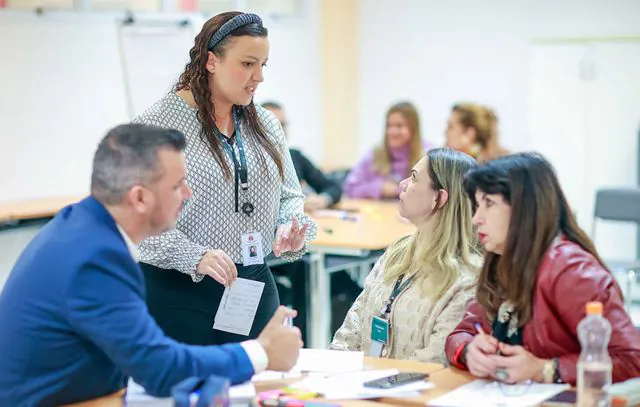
(485, 393)
(321, 362)
(329, 361)
(350, 386)
(238, 306)
(269, 375)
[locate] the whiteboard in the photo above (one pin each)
(67, 78)
(61, 90)
(154, 55)
(66, 81)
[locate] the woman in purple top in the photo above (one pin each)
(377, 175)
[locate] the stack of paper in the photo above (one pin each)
(269, 375)
(137, 397)
(346, 386)
(317, 361)
(486, 393)
(329, 361)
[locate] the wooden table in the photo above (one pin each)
(35, 208)
(377, 224)
(445, 379)
(371, 364)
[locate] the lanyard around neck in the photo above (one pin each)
(397, 289)
(241, 174)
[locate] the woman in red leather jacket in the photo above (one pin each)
(539, 272)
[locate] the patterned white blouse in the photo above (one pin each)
(209, 220)
(419, 326)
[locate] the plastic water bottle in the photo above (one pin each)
(594, 364)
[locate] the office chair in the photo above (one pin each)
(620, 205)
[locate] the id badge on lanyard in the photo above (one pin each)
(380, 326)
(251, 241)
(379, 336)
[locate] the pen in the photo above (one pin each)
(288, 323)
(346, 216)
(499, 374)
(478, 327)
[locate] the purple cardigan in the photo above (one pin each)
(364, 182)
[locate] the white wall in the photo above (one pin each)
(292, 76)
(436, 53)
(63, 87)
(489, 51)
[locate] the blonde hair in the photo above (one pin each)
(485, 122)
(437, 255)
(382, 155)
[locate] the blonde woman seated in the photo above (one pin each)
(473, 128)
(418, 290)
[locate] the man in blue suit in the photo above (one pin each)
(73, 321)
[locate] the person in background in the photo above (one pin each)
(550, 274)
(473, 129)
(327, 192)
(424, 281)
(244, 184)
(74, 320)
(292, 278)
(377, 175)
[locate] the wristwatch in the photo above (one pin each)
(550, 371)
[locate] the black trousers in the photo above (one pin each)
(185, 310)
(296, 293)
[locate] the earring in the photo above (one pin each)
(475, 150)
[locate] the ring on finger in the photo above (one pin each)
(501, 375)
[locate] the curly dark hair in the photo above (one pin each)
(195, 78)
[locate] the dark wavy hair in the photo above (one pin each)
(539, 213)
(195, 78)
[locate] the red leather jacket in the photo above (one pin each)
(568, 278)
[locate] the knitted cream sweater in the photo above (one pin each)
(419, 326)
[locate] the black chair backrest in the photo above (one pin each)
(618, 204)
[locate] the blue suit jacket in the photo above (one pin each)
(74, 324)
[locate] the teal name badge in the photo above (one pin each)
(379, 330)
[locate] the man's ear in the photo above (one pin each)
(138, 198)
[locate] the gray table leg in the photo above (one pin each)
(320, 300)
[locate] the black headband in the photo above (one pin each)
(236, 22)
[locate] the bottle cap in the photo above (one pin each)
(594, 307)
(618, 401)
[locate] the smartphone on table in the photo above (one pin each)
(395, 380)
(563, 399)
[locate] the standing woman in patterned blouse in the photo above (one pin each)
(246, 196)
